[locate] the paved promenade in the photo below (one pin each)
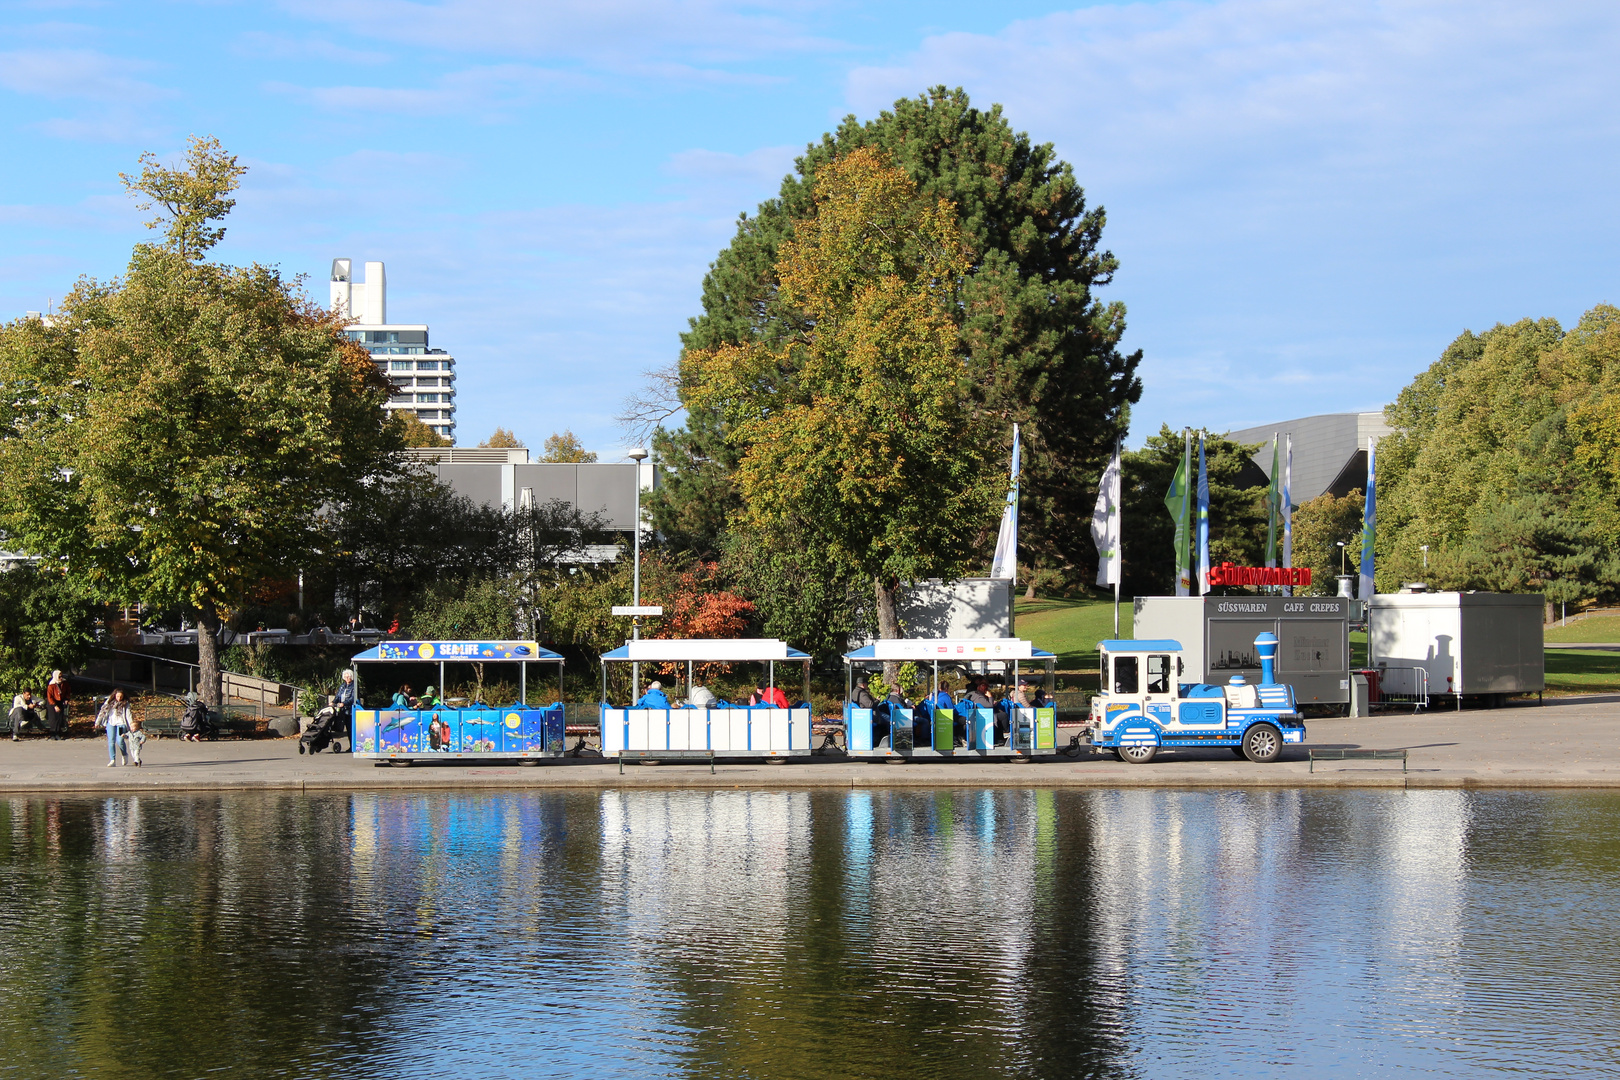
(1569, 742)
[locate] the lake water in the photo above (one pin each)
(829, 934)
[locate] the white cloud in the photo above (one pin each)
(80, 74)
(481, 94)
(1306, 196)
(613, 33)
(115, 126)
(1148, 92)
(258, 45)
(757, 170)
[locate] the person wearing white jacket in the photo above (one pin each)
(116, 717)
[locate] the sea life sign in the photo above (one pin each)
(458, 650)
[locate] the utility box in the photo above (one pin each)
(1470, 643)
(1217, 638)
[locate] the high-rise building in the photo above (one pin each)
(424, 378)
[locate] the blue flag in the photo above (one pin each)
(1369, 527)
(1203, 519)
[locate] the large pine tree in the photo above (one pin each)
(1042, 349)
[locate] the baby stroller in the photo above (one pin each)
(196, 724)
(323, 728)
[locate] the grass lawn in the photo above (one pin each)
(1070, 628)
(1597, 629)
(1576, 671)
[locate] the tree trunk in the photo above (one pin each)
(888, 624)
(209, 687)
(1029, 590)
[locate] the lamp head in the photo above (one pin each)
(638, 453)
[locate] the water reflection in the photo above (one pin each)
(762, 934)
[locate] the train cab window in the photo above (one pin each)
(1126, 680)
(1158, 674)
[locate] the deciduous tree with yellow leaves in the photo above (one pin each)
(172, 436)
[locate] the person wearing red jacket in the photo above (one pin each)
(768, 695)
(56, 706)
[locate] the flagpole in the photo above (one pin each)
(1118, 457)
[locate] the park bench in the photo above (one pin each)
(666, 755)
(1357, 755)
(163, 721)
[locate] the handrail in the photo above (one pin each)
(241, 677)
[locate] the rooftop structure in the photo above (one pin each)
(424, 378)
(505, 477)
(1330, 451)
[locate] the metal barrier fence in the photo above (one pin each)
(1402, 687)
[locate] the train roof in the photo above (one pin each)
(1140, 645)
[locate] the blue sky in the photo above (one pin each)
(1308, 200)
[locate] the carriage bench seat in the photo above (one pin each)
(666, 755)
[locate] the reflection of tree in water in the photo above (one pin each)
(146, 932)
(924, 934)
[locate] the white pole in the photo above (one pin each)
(1120, 539)
(637, 455)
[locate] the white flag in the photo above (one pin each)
(1105, 531)
(1288, 509)
(1005, 564)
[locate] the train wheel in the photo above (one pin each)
(1262, 743)
(1137, 754)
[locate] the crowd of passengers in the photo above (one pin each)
(701, 697)
(976, 693)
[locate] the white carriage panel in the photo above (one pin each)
(777, 724)
(740, 722)
(719, 729)
(612, 730)
(680, 730)
(641, 730)
(800, 725)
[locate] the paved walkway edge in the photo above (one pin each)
(422, 780)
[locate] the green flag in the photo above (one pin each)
(1273, 504)
(1178, 501)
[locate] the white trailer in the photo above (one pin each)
(1469, 644)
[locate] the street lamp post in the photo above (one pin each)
(638, 455)
(1342, 570)
(1425, 548)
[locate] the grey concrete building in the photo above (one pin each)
(506, 477)
(1330, 451)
